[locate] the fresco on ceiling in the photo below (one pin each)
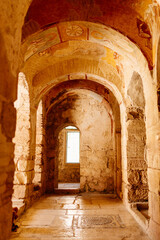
(120, 15)
(110, 57)
(77, 31)
(42, 41)
(47, 43)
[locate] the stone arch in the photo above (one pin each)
(81, 84)
(97, 70)
(51, 140)
(106, 38)
(139, 64)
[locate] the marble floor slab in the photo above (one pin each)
(82, 216)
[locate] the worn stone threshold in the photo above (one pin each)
(66, 191)
(138, 211)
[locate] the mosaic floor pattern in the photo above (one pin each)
(77, 217)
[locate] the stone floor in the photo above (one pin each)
(68, 185)
(82, 216)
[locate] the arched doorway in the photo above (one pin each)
(92, 114)
(69, 158)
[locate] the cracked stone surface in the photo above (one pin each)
(83, 216)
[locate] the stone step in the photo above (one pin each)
(66, 191)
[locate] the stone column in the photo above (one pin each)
(39, 156)
(153, 150)
(23, 162)
(136, 162)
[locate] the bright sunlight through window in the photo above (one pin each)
(72, 145)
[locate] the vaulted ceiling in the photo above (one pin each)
(127, 17)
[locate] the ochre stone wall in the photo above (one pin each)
(88, 113)
(12, 16)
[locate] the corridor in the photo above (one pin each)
(83, 216)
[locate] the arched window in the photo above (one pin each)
(72, 144)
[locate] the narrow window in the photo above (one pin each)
(72, 144)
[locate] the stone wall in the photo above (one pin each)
(137, 165)
(28, 154)
(153, 130)
(12, 16)
(97, 157)
(136, 142)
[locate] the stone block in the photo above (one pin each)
(134, 177)
(38, 168)
(153, 147)
(39, 149)
(154, 180)
(137, 193)
(20, 191)
(134, 163)
(154, 230)
(37, 178)
(144, 177)
(20, 178)
(154, 207)
(25, 165)
(23, 177)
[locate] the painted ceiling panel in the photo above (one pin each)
(126, 16)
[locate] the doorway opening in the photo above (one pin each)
(69, 158)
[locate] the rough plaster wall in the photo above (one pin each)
(68, 173)
(136, 144)
(87, 112)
